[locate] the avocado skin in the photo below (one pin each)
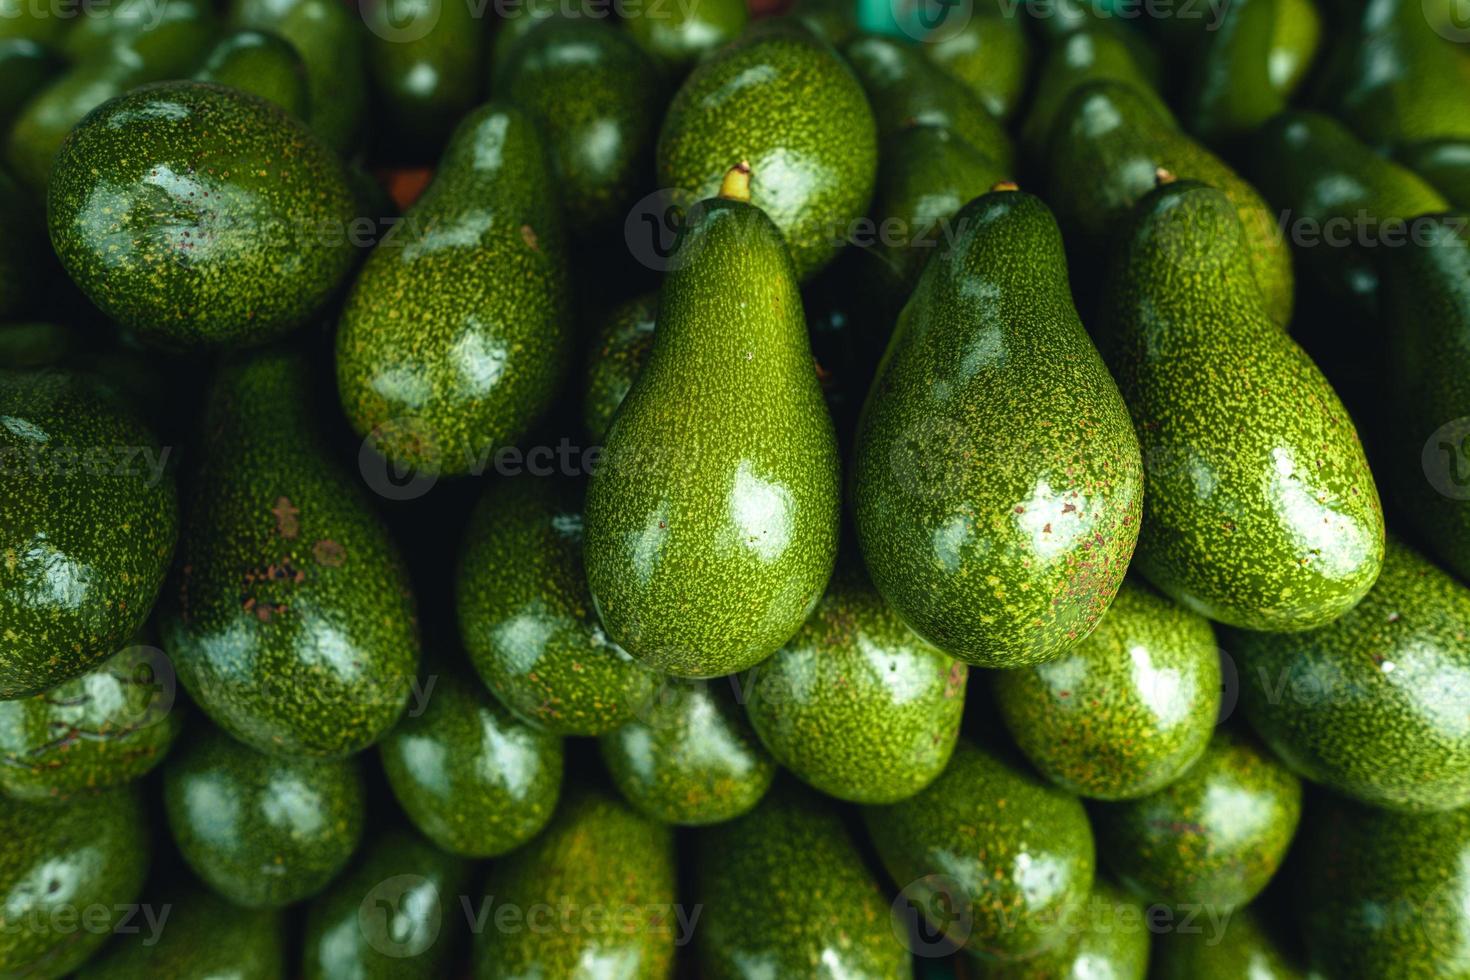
(1126, 711)
(526, 617)
(967, 840)
(418, 888)
(281, 548)
(1011, 563)
(690, 756)
(1245, 951)
(785, 893)
(596, 97)
(1229, 91)
(473, 778)
(60, 861)
(203, 936)
(263, 64)
(1111, 941)
(273, 236)
(596, 854)
(990, 54)
(1213, 837)
(93, 534)
(855, 703)
(25, 68)
(234, 811)
(427, 76)
(1445, 164)
(681, 34)
(421, 310)
(1361, 705)
(1261, 511)
(620, 346)
(800, 120)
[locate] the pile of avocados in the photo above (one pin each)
(612, 490)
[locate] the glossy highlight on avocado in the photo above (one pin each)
(426, 60)
(1110, 940)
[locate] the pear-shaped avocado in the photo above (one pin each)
(989, 53)
(263, 831)
(831, 917)
(968, 851)
(426, 62)
(1213, 837)
(439, 364)
(1126, 711)
(59, 864)
(1109, 941)
(678, 35)
(291, 622)
(620, 346)
(262, 64)
(1237, 947)
(611, 872)
(785, 102)
(996, 485)
(476, 780)
(1261, 511)
(706, 552)
(88, 516)
(856, 704)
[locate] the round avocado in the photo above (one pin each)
(1240, 948)
(677, 35)
(620, 347)
(263, 64)
(990, 54)
(1110, 941)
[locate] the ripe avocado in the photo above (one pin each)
(989, 53)
(262, 64)
(426, 63)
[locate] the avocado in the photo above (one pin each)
(678, 34)
(705, 554)
(1295, 42)
(290, 619)
(1107, 144)
(194, 934)
(833, 21)
(596, 97)
(102, 30)
(690, 756)
(785, 102)
(785, 893)
(32, 22)
(439, 365)
(620, 346)
(969, 852)
(26, 67)
(605, 877)
(1110, 941)
(855, 703)
(1009, 563)
(244, 243)
(1261, 512)
(989, 53)
(1445, 164)
(1213, 837)
(1242, 949)
(391, 917)
(262, 831)
(425, 58)
(89, 518)
(1228, 88)
(526, 617)
(1126, 711)
(262, 64)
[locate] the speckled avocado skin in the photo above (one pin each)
(426, 62)
(476, 780)
(57, 863)
(681, 34)
(1109, 941)
(262, 64)
(439, 364)
(604, 868)
(1364, 705)
(526, 617)
(690, 757)
(784, 102)
(996, 483)
(407, 929)
(198, 214)
(620, 347)
(281, 550)
(856, 704)
(1244, 951)
(786, 894)
(712, 518)
(1213, 837)
(1126, 711)
(1261, 511)
(966, 844)
(262, 831)
(88, 521)
(989, 53)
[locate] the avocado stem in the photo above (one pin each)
(1005, 185)
(1164, 176)
(736, 185)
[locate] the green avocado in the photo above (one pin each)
(262, 831)
(678, 33)
(1295, 43)
(263, 64)
(1228, 86)
(243, 242)
(620, 346)
(1110, 941)
(26, 67)
(438, 364)
(1126, 711)
(1009, 563)
(391, 917)
(596, 887)
(290, 621)
(89, 519)
(994, 857)
(1445, 164)
(989, 53)
(785, 893)
(474, 779)
(690, 756)
(1213, 837)
(32, 22)
(425, 58)
(102, 30)
(526, 617)
(784, 102)
(1261, 512)
(855, 703)
(192, 935)
(1241, 947)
